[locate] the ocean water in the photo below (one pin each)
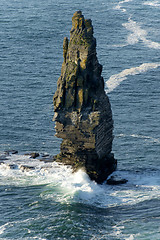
(48, 201)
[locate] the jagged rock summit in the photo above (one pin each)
(83, 116)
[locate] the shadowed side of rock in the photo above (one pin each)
(83, 116)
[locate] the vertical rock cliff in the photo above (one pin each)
(83, 116)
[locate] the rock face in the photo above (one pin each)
(83, 113)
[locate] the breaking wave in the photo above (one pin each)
(115, 80)
(60, 184)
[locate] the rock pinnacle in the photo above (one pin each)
(83, 116)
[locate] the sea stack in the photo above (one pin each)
(83, 116)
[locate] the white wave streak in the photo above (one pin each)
(146, 138)
(138, 34)
(152, 3)
(155, 140)
(3, 228)
(119, 5)
(116, 79)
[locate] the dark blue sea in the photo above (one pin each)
(48, 201)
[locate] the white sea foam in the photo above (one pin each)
(119, 6)
(3, 228)
(53, 175)
(138, 34)
(146, 138)
(151, 139)
(118, 232)
(116, 79)
(152, 3)
(60, 184)
(42, 173)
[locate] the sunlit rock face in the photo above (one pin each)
(83, 116)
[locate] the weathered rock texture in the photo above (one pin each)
(82, 110)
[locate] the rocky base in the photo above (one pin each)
(97, 169)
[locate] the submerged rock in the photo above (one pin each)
(26, 168)
(114, 180)
(8, 152)
(3, 157)
(12, 166)
(47, 159)
(83, 116)
(32, 155)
